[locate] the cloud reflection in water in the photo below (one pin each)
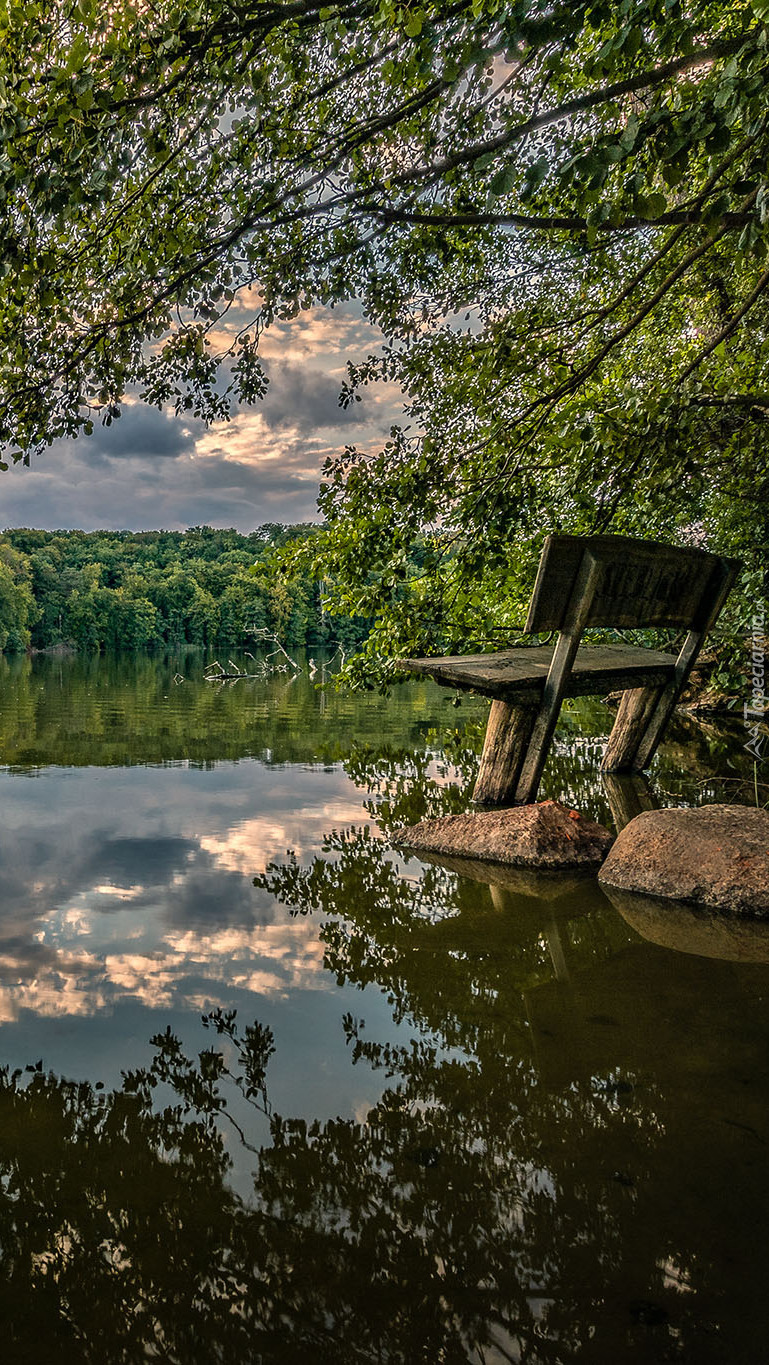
(98, 909)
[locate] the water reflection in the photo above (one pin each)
(477, 1116)
(557, 1170)
(687, 929)
(110, 886)
(75, 711)
(586, 1162)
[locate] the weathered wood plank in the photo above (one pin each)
(507, 737)
(713, 599)
(583, 582)
(635, 710)
(643, 584)
(628, 794)
(517, 673)
(585, 588)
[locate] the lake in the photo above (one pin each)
(273, 1093)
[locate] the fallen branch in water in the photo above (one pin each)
(269, 637)
(216, 672)
(224, 675)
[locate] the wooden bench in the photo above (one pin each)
(583, 582)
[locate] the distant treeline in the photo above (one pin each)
(105, 590)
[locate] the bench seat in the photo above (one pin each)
(519, 674)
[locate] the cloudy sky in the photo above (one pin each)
(151, 469)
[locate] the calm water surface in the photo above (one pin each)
(453, 1118)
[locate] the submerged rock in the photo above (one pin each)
(716, 857)
(545, 835)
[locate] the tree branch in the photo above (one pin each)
(730, 327)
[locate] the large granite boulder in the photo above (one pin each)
(544, 835)
(716, 857)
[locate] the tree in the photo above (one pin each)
(18, 610)
(586, 181)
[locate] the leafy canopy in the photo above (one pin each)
(556, 213)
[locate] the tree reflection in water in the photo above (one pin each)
(565, 1164)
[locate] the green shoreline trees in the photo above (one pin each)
(105, 590)
(557, 215)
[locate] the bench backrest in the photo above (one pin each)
(642, 583)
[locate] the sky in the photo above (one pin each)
(153, 470)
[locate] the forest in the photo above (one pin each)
(105, 590)
(555, 216)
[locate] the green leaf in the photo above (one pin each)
(503, 181)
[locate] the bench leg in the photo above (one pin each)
(629, 795)
(574, 621)
(533, 765)
(507, 737)
(635, 711)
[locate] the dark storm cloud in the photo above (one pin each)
(305, 400)
(68, 489)
(144, 433)
(150, 470)
(240, 494)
